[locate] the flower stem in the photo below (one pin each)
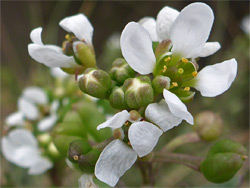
(187, 160)
(181, 140)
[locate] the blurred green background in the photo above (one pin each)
(18, 70)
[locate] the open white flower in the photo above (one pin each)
(194, 15)
(143, 136)
(188, 33)
(21, 148)
(53, 56)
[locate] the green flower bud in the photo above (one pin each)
(117, 99)
(70, 129)
(62, 143)
(208, 125)
(72, 116)
(160, 82)
(85, 54)
(134, 115)
(77, 148)
(138, 92)
(224, 159)
(44, 139)
(87, 162)
(121, 71)
(96, 83)
(227, 146)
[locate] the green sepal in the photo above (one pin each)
(117, 98)
(184, 96)
(162, 48)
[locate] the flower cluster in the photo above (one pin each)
(150, 84)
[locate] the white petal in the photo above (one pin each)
(116, 121)
(28, 109)
(114, 161)
(35, 36)
(50, 56)
(47, 123)
(40, 166)
(35, 94)
(80, 26)
(176, 107)
(245, 24)
(86, 181)
(150, 25)
(26, 156)
(58, 73)
(209, 48)
(161, 115)
(54, 106)
(8, 149)
(22, 137)
(191, 29)
(15, 119)
(164, 21)
(143, 137)
(136, 46)
(215, 79)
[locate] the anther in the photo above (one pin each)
(194, 74)
(180, 71)
(187, 89)
(184, 60)
(164, 68)
(129, 143)
(68, 38)
(175, 84)
(126, 123)
(167, 59)
(75, 157)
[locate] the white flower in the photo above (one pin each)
(168, 27)
(58, 73)
(15, 119)
(53, 56)
(143, 136)
(188, 34)
(21, 148)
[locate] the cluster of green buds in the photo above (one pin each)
(120, 87)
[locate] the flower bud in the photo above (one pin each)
(117, 99)
(134, 116)
(138, 92)
(53, 150)
(44, 139)
(62, 143)
(85, 54)
(96, 83)
(160, 82)
(121, 71)
(70, 129)
(224, 159)
(87, 161)
(77, 148)
(208, 125)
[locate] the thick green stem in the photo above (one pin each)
(181, 140)
(187, 160)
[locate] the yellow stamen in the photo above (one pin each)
(126, 124)
(175, 84)
(75, 157)
(164, 68)
(129, 143)
(187, 89)
(167, 59)
(194, 74)
(184, 60)
(180, 71)
(68, 38)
